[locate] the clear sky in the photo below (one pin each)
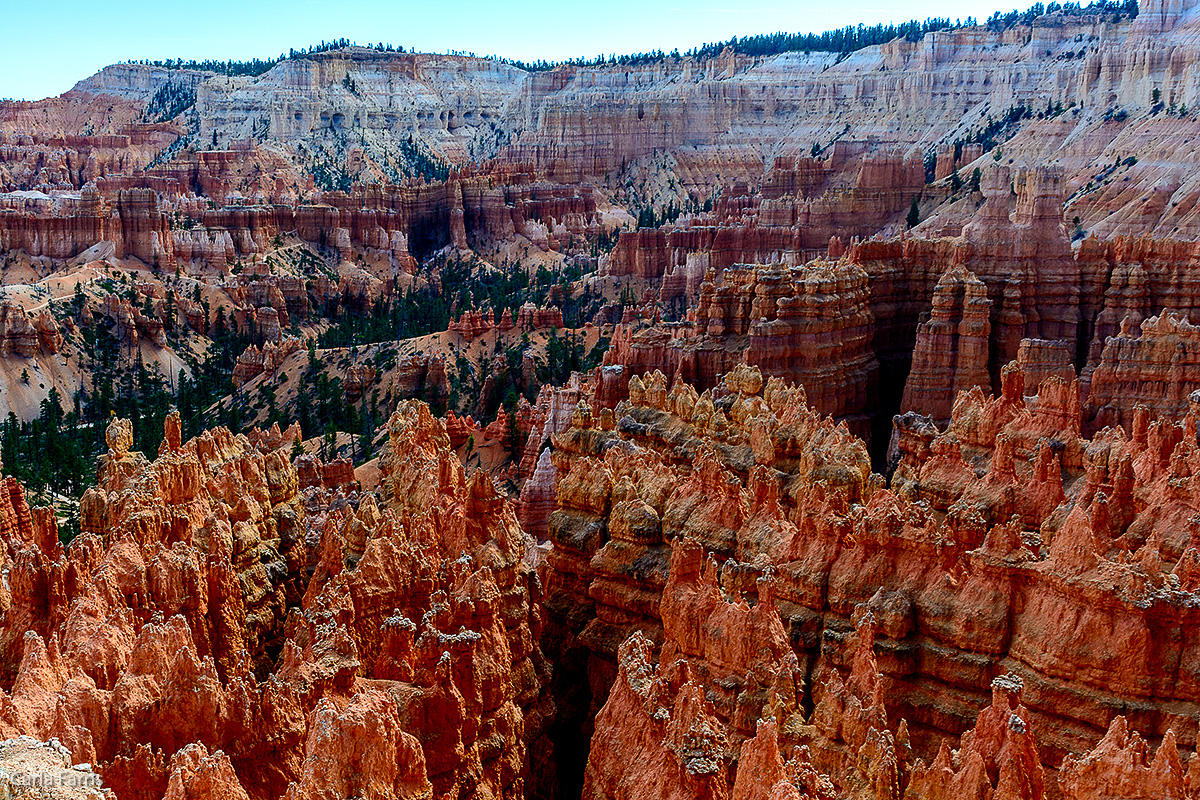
(48, 45)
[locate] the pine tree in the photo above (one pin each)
(914, 214)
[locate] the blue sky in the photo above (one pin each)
(47, 46)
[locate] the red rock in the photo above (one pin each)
(640, 749)
(18, 334)
(158, 628)
(951, 352)
(196, 774)
(359, 378)
(537, 499)
(360, 749)
(1157, 369)
(792, 216)
(1039, 518)
(551, 414)
(500, 429)
(531, 318)
(809, 325)
(471, 325)
(254, 362)
(946, 162)
(1011, 489)
(1121, 766)
(459, 429)
(337, 475)
(998, 757)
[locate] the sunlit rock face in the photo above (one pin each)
(215, 630)
(721, 556)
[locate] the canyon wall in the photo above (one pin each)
(856, 505)
(396, 222)
(811, 325)
(836, 132)
(943, 314)
(677, 504)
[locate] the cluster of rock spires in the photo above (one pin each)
(226, 627)
(914, 321)
(473, 324)
(390, 222)
(740, 592)
(25, 335)
(730, 604)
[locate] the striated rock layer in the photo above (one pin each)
(923, 319)
(741, 533)
(811, 325)
(396, 222)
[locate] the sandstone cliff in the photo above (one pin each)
(870, 118)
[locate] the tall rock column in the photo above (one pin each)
(951, 353)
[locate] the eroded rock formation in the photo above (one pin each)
(733, 569)
(209, 635)
(677, 507)
(811, 325)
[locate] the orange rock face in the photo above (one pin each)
(951, 352)
(392, 223)
(22, 336)
(848, 510)
(741, 540)
(802, 204)
(810, 325)
(254, 361)
(213, 633)
(934, 316)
